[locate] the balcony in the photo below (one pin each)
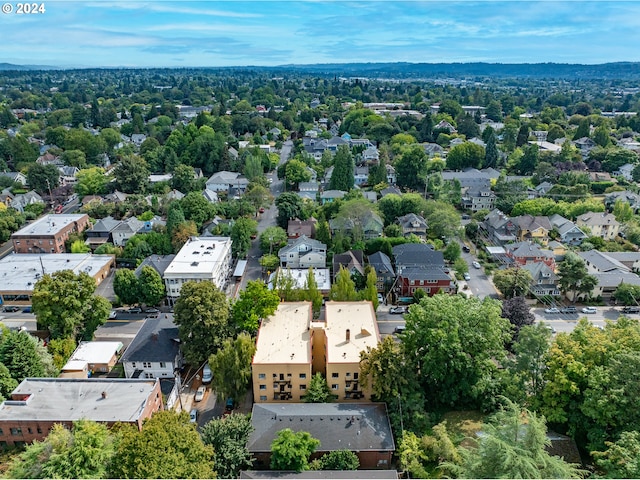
(282, 396)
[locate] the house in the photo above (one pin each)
(429, 279)
(478, 198)
(584, 145)
(125, 230)
(567, 230)
(21, 271)
(601, 177)
(631, 260)
(68, 175)
(313, 175)
(446, 126)
(291, 348)
(331, 195)
(308, 190)
(391, 190)
(541, 135)
(558, 249)
(16, 177)
(155, 350)
(164, 177)
(362, 428)
(48, 234)
(522, 253)
(542, 188)
(201, 259)
(532, 227)
(210, 195)
(352, 260)
(303, 252)
(6, 197)
(371, 196)
(433, 150)
(609, 273)
(101, 232)
(633, 199)
(361, 175)
(371, 155)
(158, 262)
(603, 225)
(383, 267)
(224, 180)
(116, 197)
(544, 146)
(626, 171)
(499, 227)
(18, 202)
(297, 228)
(91, 358)
(391, 175)
(410, 255)
(299, 276)
(369, 226)
(413, 224)
(544, 280)
(37, 404)
(472, 177)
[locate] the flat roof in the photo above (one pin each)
(92, 352)
(72, 399)
(299, 276)
(284, 337)
(19, 272)
(199, 255)
(49, 225)
(357, 317)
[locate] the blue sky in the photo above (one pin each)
(177, 33)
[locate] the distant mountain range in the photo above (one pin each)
(619, 70)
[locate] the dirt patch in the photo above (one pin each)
(463, 424)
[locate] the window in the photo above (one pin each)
(263, 387)
(334, 386)
(303, 387)
(348, 374)
(263, 398)
(146, 364)
(163, 365)
(148, 375)
(335, 375)
(133, 364)
(355, 376)
(303, 375)
(29, 430)
(261, 376)
(16, 431)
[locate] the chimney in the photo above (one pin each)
(348, 335)
(104, 394)
(154, 337)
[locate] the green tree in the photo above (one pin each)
(289, 207)
(132, 174)
(82, 452)
(229, 436)
(337, 460)
(411, 167)
(241, 232)
(621, 459)
(573, 276)
(7, 383)
(470, 333)
(78, 246)
(461, 267)
(622, 211)
(168, 446)
(202, 315)
(627, 294)
(91, 181)
(269, 262)
(452, 252)
(19, 353)
(312, 293)
(258, 196)
(74, 158)
(529, 364)
(318, 390)
(513, 445)
(197, 208)
(61, 350)
(370, 291)
(512, 282)
(43, 177)
(256, 302)
(342, 177)
(151, 286)
(344, 288)
(296, 172)
(184, 179)
(516, 310)
(273, 239)
(291, 450)
(491, 154)
(126, 286)
(231, 367)
(66, 304)
(465, 155)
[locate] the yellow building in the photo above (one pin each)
(291, 348)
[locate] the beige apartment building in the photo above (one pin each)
(291, 348)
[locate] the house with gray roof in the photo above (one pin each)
(303, 252)
(224, 180)
(409, 255)
(329, 196)
(603, 225)
(362, 428)
(17, 177)
(308, 190)
(430, 279)
(297, 228)
(631, 260)
(125, 230)
(391, 190)
(523, 253)
(352, 260)
(413, 224)
(385, 273)
(633, 199)
(158, 262)
(533, 227)
(544, 280)
(101, 232)
(369, 226)
(155, 350)
(391, 175)
(210, 195)
(22, 200)
(569, 232)
(361, 175)
(478, 197)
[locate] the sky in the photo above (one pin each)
(183, 33)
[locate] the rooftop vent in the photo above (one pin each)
(104, 394)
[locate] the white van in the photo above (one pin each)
(207, 376)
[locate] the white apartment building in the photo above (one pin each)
(201, 259)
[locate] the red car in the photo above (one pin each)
(59, 209)
(261, 210)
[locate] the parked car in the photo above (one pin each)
(200, 394)
(550, 328)
(589, 310)
(398, 330)
(261, 209)
(631, 310)
(569, 310)
(135, 310)
(11, 308)
(193, 415)
(398, 310)
(151, 310)
(467, 276)
(207, 376)
(228, 407)
(380, 298)
(113, 314)
(466, 249)
(552, 310)
(476, 265)
(26, 310)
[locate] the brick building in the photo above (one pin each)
(49, 233)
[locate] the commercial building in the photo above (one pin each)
(291, 347)
(201, 259)
(20, 272)
(49, 233)
(39, 403)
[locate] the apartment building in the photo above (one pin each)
(291, 348)
(201, 259)
(49, 233)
